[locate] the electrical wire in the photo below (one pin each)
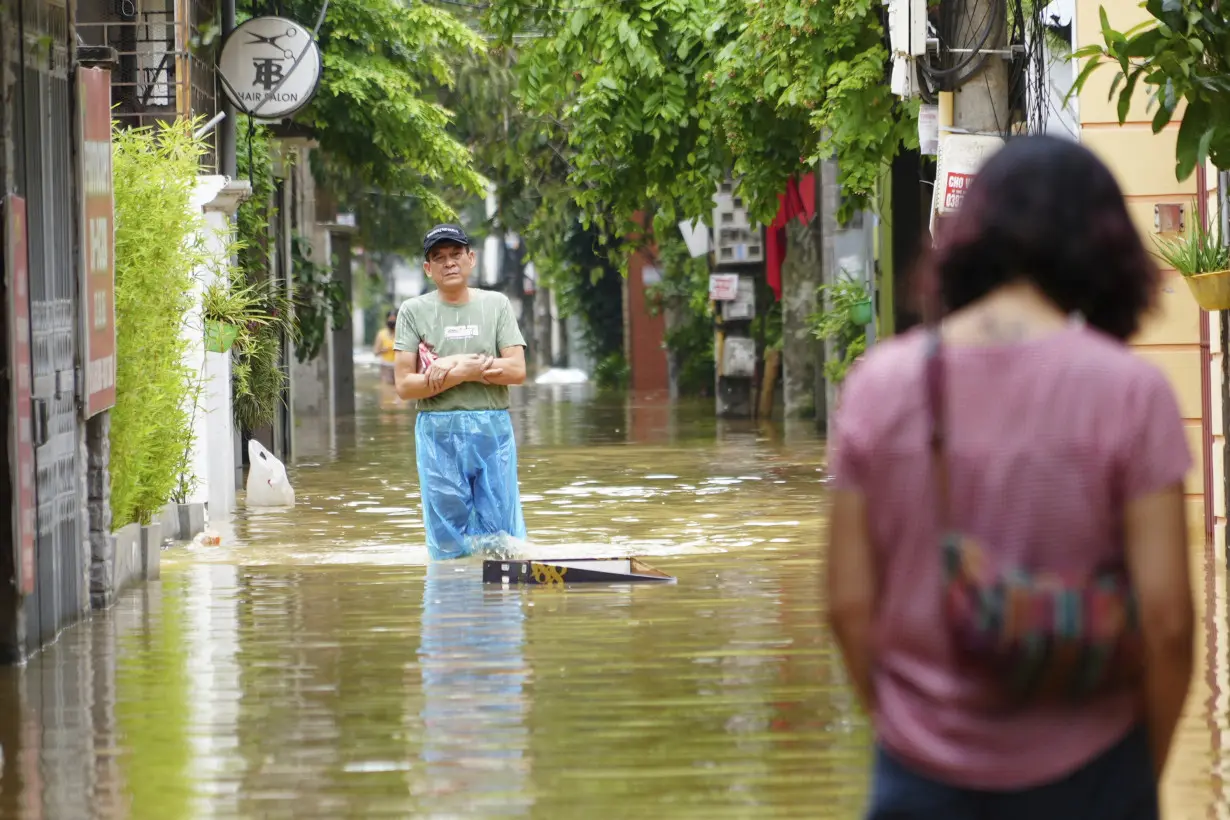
(954, 76)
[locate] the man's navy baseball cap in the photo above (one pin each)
(442, 234)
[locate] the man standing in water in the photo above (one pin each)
(458, 350)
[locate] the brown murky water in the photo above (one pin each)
(315, 665)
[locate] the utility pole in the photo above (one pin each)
(828, 201)
(227, 165)
(981, 103)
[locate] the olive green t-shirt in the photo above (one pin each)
(484, 324)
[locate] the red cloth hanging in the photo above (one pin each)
(807, 194)
(799, 200)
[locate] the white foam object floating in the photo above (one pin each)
(562, 375)
(268, 485)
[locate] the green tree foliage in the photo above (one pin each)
(1182, 55)
(660, 98)
(683, 296)
(625, 81)
(320, 302)
(806, 80)
(157, 248)
(257, 376)
(526, 156)
(588, 285)
(384, 137)
(520, 152)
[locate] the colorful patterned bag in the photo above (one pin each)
(1045, 636)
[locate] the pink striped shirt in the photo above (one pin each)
(1048, 438)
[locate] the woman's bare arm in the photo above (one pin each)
(852, 590)
(1156, 532)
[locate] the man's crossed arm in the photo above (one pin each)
(450, 371)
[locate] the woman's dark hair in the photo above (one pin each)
(1047, 211)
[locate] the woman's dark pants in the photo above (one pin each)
(1117, 785)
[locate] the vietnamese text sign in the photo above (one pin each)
(98, 244)
(21, 432)
(955, 187)
(723, 287)
(960, 158)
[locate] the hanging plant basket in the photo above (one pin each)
(1212, 290)
(219, 336)
(861, 313)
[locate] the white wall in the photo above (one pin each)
(213, 449)
(1062, 117)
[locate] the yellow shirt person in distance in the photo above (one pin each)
(383, 347)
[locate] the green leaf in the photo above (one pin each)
(1088, 51)
(1161, 119)
(1114, 86)
(1125, 98)
(1165, 110)
(1144, 44)
(1079, 83)
(1193, 138)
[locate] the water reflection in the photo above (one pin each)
(313, 666)
(474, 737)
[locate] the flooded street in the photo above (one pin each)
(317, 666)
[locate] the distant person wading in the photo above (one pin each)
(384, 349)
(457, 350)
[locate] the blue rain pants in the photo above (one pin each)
(467, 462)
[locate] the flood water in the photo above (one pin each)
(316, 665)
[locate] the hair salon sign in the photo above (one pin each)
(270, 67)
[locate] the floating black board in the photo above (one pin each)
(561, 571)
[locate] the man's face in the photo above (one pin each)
(449, 265)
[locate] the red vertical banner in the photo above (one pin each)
(21, 432)
(98, 241)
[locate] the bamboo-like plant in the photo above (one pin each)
(158, 246)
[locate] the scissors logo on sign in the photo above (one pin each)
(260, 39)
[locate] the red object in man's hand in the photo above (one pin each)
(427, 358)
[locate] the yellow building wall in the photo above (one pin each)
(1144, 162)
(1144, 165)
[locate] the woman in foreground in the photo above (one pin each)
(1006, 479)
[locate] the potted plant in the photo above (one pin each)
(842, 323)
(230, 305)
(1203, 259)
(219, 336)
(861, 312)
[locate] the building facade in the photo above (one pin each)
(61, 557)
(45, 558)
(1187, 343)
